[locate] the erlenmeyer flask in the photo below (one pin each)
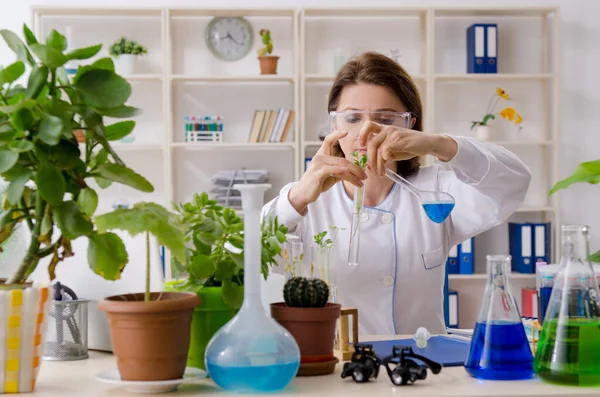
(569, 348)
(499, 348)
(252, 352)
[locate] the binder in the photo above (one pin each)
(307, 162)
(520, 239)
(541, 242)
(466, 257)
(529, 302)
(452, 263)
(491, 55)
(476, 48)
(452, 309)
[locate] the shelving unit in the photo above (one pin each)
(181, 77)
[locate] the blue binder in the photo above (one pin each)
(452, 309)
(452, 263)
(520, 240)
(307, 162)
(491, 48)
(476, 48)
(541, 242)
(466, 256)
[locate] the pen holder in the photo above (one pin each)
(66, 335)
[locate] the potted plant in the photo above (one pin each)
(49, 176)
(214, 265)
(126, 52)
(311, 319)
(268, 63)
(482, 128)
(150, 331)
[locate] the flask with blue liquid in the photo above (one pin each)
(499, 348)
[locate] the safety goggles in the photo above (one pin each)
(353, 120)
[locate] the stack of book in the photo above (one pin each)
(271, 125)
(223, 182)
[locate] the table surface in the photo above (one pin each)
(77, 378)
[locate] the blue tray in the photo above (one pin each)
(449, 352)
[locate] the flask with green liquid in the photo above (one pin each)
(569, 348)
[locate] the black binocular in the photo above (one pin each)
(364, 365)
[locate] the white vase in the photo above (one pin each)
(483, 132)
(125, 64)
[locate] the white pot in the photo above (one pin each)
(125, 64)
(483, 132)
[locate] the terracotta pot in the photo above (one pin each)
(150, 339)
(268, 64)
(313, 329)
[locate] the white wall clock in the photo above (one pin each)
(229, 38)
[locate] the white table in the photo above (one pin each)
(76, 378)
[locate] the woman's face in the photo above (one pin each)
(365, 97)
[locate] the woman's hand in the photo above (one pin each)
(390, 143)
(325, 170)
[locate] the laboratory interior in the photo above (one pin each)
(299, 197)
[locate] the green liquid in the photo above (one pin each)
(569, 353)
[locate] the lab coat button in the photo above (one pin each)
(386, 218)
(364, 217)
(388, 281)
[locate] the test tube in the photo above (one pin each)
(359, 197)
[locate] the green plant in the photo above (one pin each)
(305, 292)
(586, 172)
(126, 46)
(148, 218)
(508, 113)
(362, 163)
(265, 36)
(216, 256)
(321, 241)
(48, 171)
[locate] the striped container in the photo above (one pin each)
(23, 314)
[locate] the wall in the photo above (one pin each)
(580, 96)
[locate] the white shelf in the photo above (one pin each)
(326, 78)
(184, 12)
(143, 77)
(535, 209)
(370, 12)
(313, 143)
(234, 79)
(483, 276)
(462, 12)
(483, 77)
(128, 147)
(233, 146)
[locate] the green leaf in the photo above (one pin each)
(51, 184)
(17, 186)
(20, 146)
(595, 257)
(238, 259)
(120, 112)
(8, 158)
(103, 89)
(119, 130)
(50, 130)
(63, 156)
(124, 175)
(37, 81)
(225, 270)
(49, 56)
(102, 63)
(12, 72)
(88, 201)
(71, 221)
(56, 40)
(7, 136)
(106, 255)
(29, 36)
(237, 241)
(232, 294)
(22, 119)
(84, 53)
(26, 104)
(102, 183)
(202, 266)
(18, 47)
(586, 172)
(166, 226)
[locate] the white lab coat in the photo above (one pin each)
(398, 283)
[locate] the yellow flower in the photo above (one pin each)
(501, 93)
(508, 113)
(519, 119)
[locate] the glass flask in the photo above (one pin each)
(569, 348)
(252, 353)
(499, 348)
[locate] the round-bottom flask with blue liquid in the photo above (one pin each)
(499, 348)
(252, 353)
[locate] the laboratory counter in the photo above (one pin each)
(77, 378)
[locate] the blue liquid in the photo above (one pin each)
(249, 379)
(500, 351)
(545, 293)
(438, 212)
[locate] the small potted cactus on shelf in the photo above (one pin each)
(268, 63)
(311, 319)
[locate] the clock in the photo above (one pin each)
(229, 38)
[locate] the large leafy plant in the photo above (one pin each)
(586, 172)
(215, 256)
(48, 171)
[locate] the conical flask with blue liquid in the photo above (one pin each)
(252, 353)
(569, 348)
(499, 348)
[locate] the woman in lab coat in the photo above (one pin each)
(398, 283)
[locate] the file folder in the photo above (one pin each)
(452, 263)
(476, 48)
(529, 302)
(307, 162)
(465, 263)
(491, 54)
(520, 239)
(541, 245)
(452, 309)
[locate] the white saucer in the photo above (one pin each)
(161, 386)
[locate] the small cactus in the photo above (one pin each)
(305, 292)
(265, 35)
